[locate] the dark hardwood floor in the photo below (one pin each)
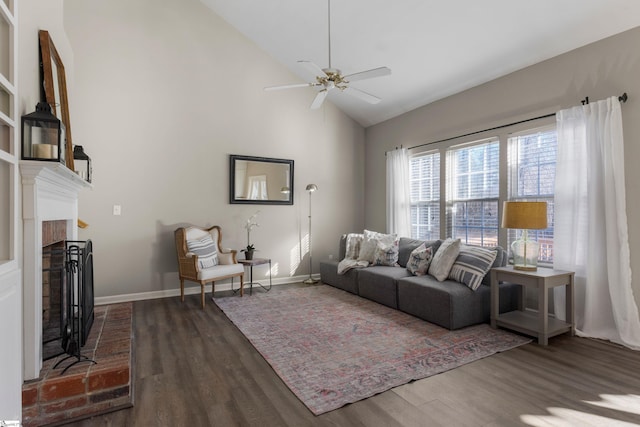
(194, 368)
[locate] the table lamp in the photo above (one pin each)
(525, 216)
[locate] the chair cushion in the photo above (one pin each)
(206, 250)
(220, 271)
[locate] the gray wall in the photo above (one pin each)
(602, 69)
(163, 92)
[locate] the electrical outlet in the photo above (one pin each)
(117, 210)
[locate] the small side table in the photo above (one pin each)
(538, 324)
(251, 263)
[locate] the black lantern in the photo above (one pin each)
(43, 135)
(82, 163)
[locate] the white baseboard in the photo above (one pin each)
(189, 289)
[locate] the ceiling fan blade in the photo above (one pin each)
(289, 86)
(362, 95)
(313, 69)
(369, 74)
(319, 99)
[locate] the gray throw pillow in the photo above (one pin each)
(444, 259)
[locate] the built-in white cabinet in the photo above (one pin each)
(10, 274)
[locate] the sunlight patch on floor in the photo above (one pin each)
(563, 417)
(626, 403)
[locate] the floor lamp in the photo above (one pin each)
(310, 188)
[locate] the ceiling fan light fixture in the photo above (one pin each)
(331, 78)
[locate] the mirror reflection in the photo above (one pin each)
(261, 180)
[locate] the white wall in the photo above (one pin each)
(163, 92)
(602, 69)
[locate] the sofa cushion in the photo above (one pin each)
(205, 249)
(370, 244)
(378, 284)
(472, 264)
(444, 259)
(419, 260)
(347, 281)
(406, 246)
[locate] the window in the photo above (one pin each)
(532, 171)
(475, 189)
(425, 196)
(472, 193)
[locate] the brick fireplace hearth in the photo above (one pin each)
(86, 389)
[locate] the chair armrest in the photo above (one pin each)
(227, 256)
(189, 265)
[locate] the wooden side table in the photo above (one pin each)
(251, 263)
(538, 324)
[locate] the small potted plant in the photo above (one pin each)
(248, 252)
(251, 222)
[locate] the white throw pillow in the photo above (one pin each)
(444, 259)
(386, 254)
(370, 244)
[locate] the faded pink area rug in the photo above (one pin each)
(332, 348)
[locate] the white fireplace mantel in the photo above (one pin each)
(49, 192)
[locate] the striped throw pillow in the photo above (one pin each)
(206, 251)
(472, 265)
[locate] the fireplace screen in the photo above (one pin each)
(75, 299)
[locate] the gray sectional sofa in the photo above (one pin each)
(448, 304)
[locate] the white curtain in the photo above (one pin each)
(590, 230)
(398, 194)
(257, 188)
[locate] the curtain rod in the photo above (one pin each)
(622, 98)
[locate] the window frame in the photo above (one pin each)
(452, 185)
(512, 193)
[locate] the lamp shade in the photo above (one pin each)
(524, 215)
(311, 188)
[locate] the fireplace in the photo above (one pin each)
(49, 193)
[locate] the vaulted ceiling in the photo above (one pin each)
(435, 48)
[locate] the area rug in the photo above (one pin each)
(332, 348)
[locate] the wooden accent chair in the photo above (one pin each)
(201, 259)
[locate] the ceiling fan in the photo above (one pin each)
(327, 79)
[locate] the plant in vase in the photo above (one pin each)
(251, 222)
(248, 252)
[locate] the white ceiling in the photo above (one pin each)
(435, 48)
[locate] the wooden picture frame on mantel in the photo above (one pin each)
(55, 88)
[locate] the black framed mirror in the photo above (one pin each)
(260, 180)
